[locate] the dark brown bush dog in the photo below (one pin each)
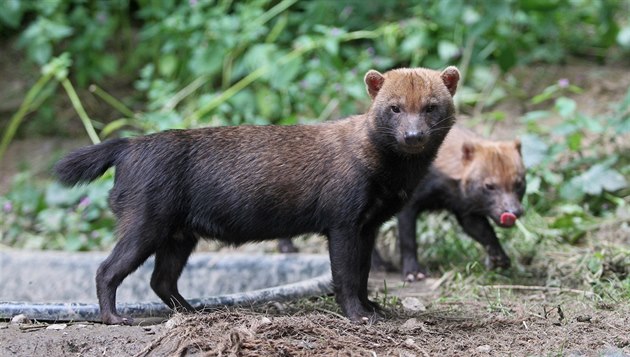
(471, 177)
(342, 179)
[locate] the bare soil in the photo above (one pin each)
(510, 322)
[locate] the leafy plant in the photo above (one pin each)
(50, 216)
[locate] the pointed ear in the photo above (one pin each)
(450, 77)
(373, 82)
(468, 152)
(517, 145)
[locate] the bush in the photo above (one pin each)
(206, 62)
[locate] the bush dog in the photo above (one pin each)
(475, 179)
(472, 177)
(342, 179)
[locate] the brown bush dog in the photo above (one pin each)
(341, 179)
(471, 177)
(475, 179)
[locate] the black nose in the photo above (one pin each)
(517, 211)
(413, 137)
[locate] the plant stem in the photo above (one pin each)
(76, 103)
(185, 92)
(25, 107)
(273, 12)
(109, 99)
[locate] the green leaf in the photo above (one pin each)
(413, 43)
(11, 12)
(284, 76)
(447, 50)
(597, 179)
(534, 150)
(536, 115)
(51, 219)
(623, 37)
(58, 195)
(167, 65)
(565, 107)
(574, 141)
(41, 53)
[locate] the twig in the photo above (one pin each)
(329, 312)
(542, 288)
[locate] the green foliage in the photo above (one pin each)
(577, 187)
(37, 216)
(185, 55)
(578, 162)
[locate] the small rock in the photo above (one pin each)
(484, 349)
(149, 331)
(413, 304)
(80, 325)
(20, 319)
(3, 326)
(265, 320)
(56, 327)
(410, 342)
(584, 318)
(410, 324)
(173, 322)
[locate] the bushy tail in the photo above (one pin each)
(88, 163)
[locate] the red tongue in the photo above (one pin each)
(508, 219)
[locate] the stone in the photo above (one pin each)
(20, 319)
(413, 304)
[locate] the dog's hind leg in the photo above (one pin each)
(170, 259)
(137, 241)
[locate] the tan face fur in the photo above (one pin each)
(414, 104)
(493, 176)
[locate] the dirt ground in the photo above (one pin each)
(508, 322)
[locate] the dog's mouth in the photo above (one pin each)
(507, 219)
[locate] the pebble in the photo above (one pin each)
(56, 327)
(20, 319)
(584, 318)
(265, 320)
(410, 324)
(410, 342)
(173, 322)
(484, 349)
(3, 326)
(413, 304)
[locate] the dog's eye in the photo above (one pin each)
(395, 109)
(490, 186)
(430, 108)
